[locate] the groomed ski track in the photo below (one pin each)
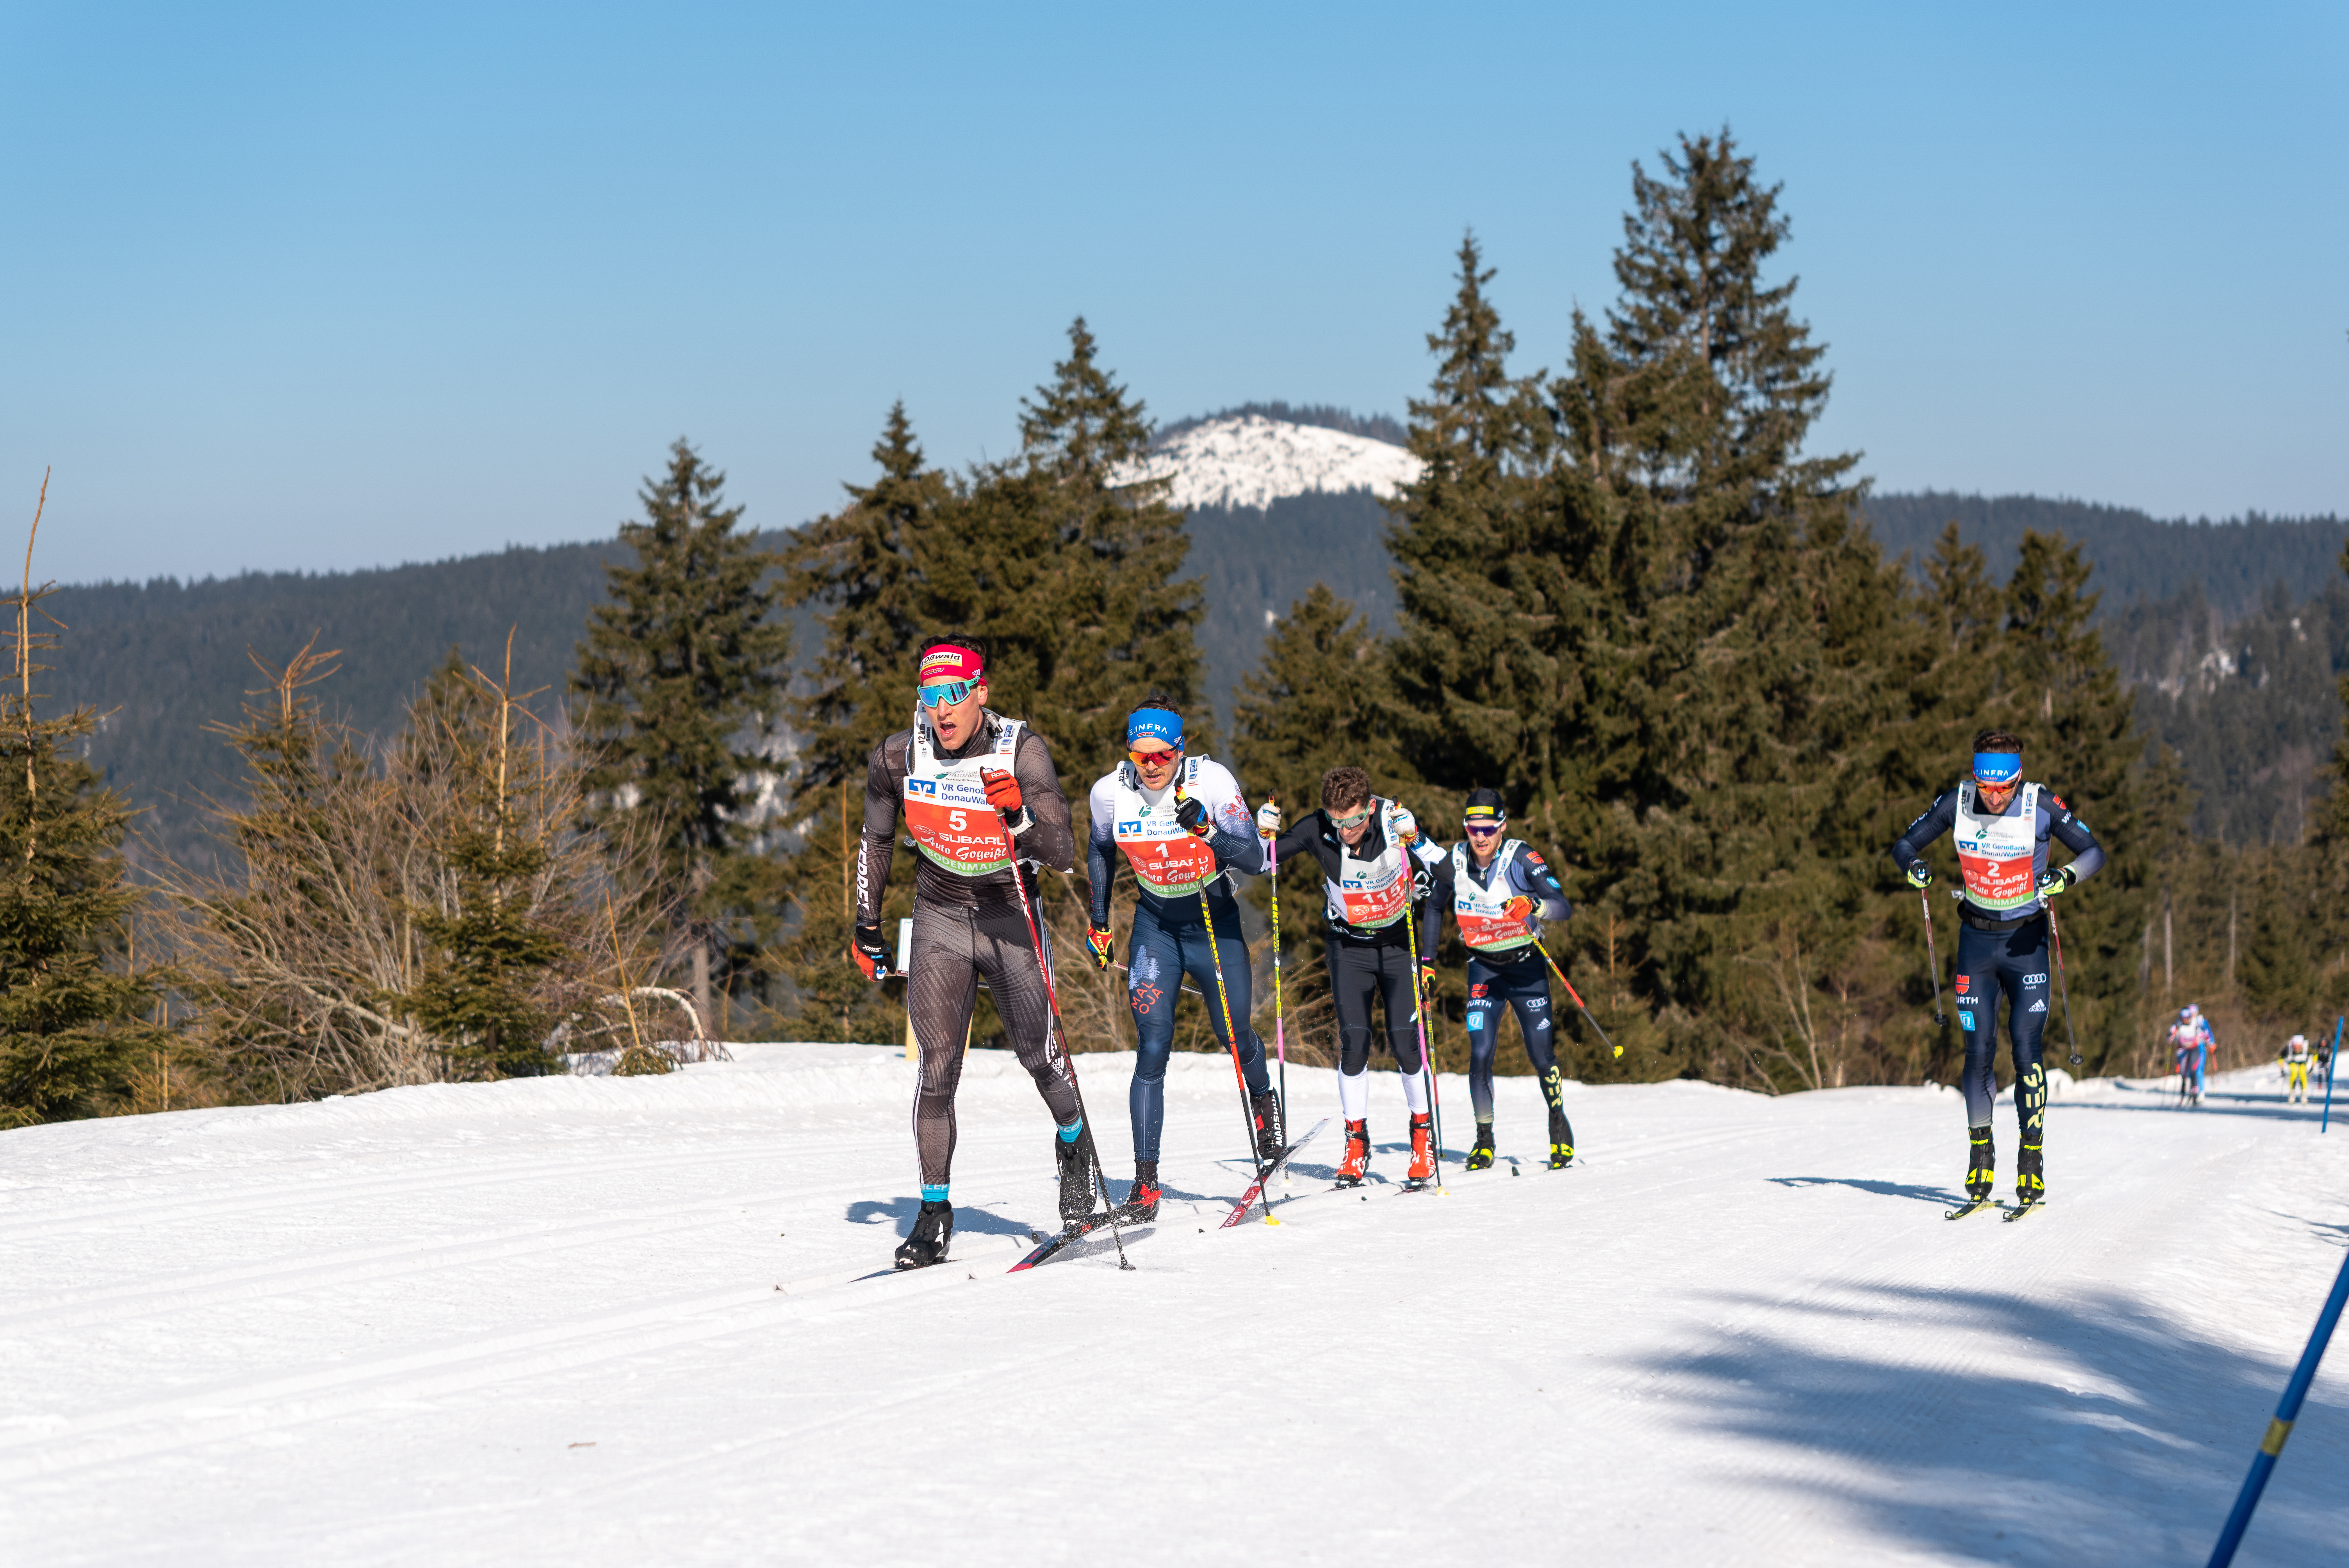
(539, 1322)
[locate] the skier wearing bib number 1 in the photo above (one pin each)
(1375, 868)
(979, 797)
(1180, 821)
(2002, 827)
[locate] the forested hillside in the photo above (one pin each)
(2251, 709)
(2137, 559)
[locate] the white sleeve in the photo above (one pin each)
(1101, 808)
(1227, 807)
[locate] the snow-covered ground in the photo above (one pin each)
(1251, 460)
(606, 1321)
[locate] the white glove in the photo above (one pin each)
(1406, 827)
(1268, 821)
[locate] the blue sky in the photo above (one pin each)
(319, 287)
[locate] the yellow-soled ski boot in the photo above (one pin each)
(2030, 1179)
(1982, 1164)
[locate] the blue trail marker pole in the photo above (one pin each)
(2281, 1428)
(2332, 1065)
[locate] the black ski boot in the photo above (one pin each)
(1074, 1155)
(1480, 1158)
(1982, 1165)
(1561, 1139)
(1269, 1141)
(2029, 1181)
(1140, 1205)
(933, 1229)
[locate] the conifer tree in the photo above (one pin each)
(859, 565)
(490, 944)
(683, 673)
(73, 1010)
(1478, 661)
(1065, 562)
(2067, 702)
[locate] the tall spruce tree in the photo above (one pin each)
(1675, 643)
(2079, 726)
(683, 674)
(1065, 561)
(860, 566)
(1478, 662)
(74, 1024)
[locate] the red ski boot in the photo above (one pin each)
(1357, 1163)
(1423, 1154)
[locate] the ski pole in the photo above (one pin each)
(1280, 1023)
(1571, 991)
(1932, 964)
(1231, 1036)
(1052, 997)
(2271, 1445)
(2056, 931)
(1426, 1056)
(2330, 1062)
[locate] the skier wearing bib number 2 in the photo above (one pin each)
(1180, 821)
(1374, 868)
(2002, 827)
(979, 797)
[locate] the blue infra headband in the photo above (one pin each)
(1997, 767)
(1154, 724)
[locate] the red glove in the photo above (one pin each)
(1002, 790)
(1519, 909)
(872, 954)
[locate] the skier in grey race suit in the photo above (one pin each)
(2002, 827)
(981, 802)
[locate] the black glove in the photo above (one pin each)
(872, 954)
(1920, 875)
(1422, 885)
(1191, 816)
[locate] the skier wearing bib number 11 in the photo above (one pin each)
(1496, 887)
(1180, 821)
(2002, 827)
(979, 797)
(1375, 868)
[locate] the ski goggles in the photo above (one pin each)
(1163, 756)
(1352, 819)
(1997, 768)
(944, 692)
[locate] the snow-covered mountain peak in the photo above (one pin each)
(1251, 460)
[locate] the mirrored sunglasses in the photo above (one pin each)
(1157, 759)
(1482, 830)
(944, 692)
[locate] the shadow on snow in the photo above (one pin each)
(2113, 1435)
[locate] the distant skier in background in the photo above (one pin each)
(2296, 1058)
(2002, 827)
(2192, 1039)
(1375, 868)
(1498, 888)
(979, 796)
(1181, 822)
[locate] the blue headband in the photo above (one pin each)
(1997, 767)
(1154, 724)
